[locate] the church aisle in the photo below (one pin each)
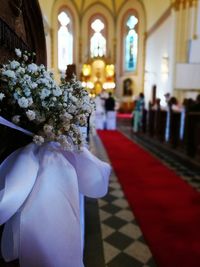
(123, 241)
(163, 203)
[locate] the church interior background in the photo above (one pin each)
(127, 47)
(150, 216)
(147, 43)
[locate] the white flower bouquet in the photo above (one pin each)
(30, 98)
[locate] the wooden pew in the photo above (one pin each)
(174, 129)
(160, 124)
(157, 124)
(192, 134)
(151, 122)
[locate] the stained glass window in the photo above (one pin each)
(97, 41)
(65, 41)
(131, 44)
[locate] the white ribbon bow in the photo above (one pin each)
(39, 202)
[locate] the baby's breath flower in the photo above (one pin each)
(16, 119)
(57, 111)
(30, 114)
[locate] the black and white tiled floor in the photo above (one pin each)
(123, 241)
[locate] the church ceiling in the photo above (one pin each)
(113, 6)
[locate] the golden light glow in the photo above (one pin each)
(110, 70)
(98, 76)
(86, 70)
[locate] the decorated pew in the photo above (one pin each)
(21, 26)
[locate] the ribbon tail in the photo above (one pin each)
(93, 174)
(18, 173)
(50, 234)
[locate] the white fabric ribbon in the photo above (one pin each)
(39, 203)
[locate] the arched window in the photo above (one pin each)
(65, 41)
(131, 43)
(97, 40)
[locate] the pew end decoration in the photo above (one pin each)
(42, 183)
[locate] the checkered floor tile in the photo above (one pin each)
(123, 241)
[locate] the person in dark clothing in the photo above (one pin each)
(110, 103)
(110, 113)
(196, 106)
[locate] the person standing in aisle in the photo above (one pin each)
(138, 113)
(110, 113)
(110, 103)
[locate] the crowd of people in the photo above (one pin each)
(106, 110)
(171, 104)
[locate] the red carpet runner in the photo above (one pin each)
(166, 208)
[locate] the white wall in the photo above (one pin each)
(187, 76)
(159, 56)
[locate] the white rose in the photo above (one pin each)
(45, 93)
(41, 67)
(14, 64)
(44, 81)
(25, 57)
(32, 67)
(9, 73)
(1, 96)
(33, 85)
(30, 101)
(30, 115)
(16, 96)
(20, 70)
(27, 77)
(18, 52)
(23, 102)
(57, 92)
(27, 92)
